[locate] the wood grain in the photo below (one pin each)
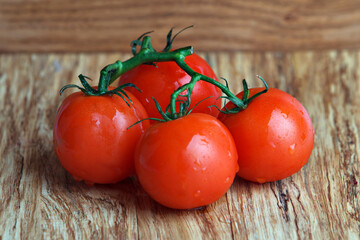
(110, 25)
(39, 200)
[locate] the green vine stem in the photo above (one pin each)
(195, 77)
(148, 55)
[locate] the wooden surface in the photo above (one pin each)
(110, 25)
(38, 199)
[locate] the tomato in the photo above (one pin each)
(188, 162)
(274, 136)
(161, 81)
(91, 139)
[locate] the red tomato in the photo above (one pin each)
(274, 136)
(91, 139)
(188, 162)
(161, 81)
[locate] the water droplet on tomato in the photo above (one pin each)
(197, 193)
(204, 141)
(227, 180)
(261, 180)
(292, 148)
(272, 144)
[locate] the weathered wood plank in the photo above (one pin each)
(40, 200)
(78, 26)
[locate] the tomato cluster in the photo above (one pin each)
(189, 161)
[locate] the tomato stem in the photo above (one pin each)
(148, 55)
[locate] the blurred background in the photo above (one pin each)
(230, 25)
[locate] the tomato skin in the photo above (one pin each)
(91, 139)
(274, 136)
(161, 81)
(188, 162)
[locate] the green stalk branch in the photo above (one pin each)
(196, 77)
(147, 55)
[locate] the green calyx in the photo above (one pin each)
(90, 91)
(241, 104)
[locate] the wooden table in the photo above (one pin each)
(39, 199)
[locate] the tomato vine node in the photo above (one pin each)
(148, 55)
